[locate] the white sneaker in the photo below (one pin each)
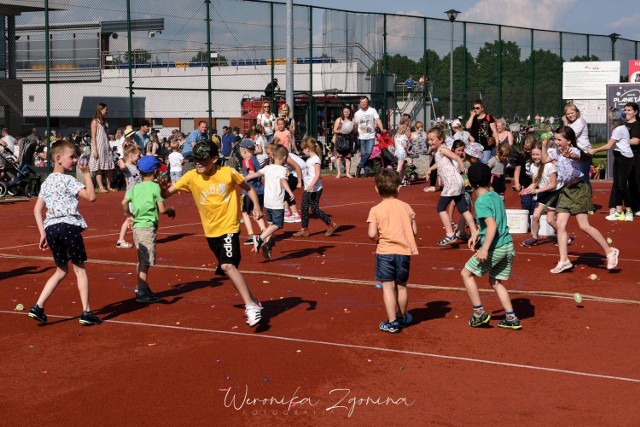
(615, 216)
(294, 218)
(637, 213)
(628, 216)
(253, 313)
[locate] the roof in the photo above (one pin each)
(17, 7)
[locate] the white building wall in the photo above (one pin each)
(75, 100)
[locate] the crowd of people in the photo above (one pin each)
(550, 176)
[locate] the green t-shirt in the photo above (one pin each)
(145, 197)
(490, 204)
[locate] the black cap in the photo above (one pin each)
(204, 150)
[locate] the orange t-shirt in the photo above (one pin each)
(394, 219)
(284, 137)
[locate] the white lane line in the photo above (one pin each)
(361, 347)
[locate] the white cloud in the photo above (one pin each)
(539, 14)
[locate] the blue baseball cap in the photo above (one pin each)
(148, 164)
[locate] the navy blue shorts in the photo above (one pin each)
(276, 217)
(66, 243)
(247, 204)
(392, 268)
(226, 248)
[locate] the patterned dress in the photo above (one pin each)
(105, 158)
(453, 185)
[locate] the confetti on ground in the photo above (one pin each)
(369, 360)
(19, 307)
(593, 276)
(609, 241)
(378, 286)
(298, 351)
(234, 327)
(265, 281)
(177, 323)
(151, 344)
(456, 316)
(577, 298)
(347, 311)
(266, 380)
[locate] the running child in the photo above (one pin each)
(473, 152)
(250, 164)
(142, 206)
(213, 189)
(496, 254)
(574, 198)
(61, 229)
(132, 153)
(313, 189)
(453, 189)
(294, 165)
(275, 186)
(544, 189)
(392, 226)
(522, 177)
(401, 140)
(458, 149)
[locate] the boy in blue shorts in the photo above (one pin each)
(61, 229)
(275, 186)
(392, 225)
(213, 188)
(496, 254)
(147, 203)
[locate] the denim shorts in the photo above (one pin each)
(392, 268)
(276, 217)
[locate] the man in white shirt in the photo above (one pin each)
(8, 141)
(367, 119)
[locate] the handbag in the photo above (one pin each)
(343, 144)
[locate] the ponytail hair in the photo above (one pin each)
(312, 144)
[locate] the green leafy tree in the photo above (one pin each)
(220, 61)
(139, 56)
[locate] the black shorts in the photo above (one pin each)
(292, 180)
(247, 204)
(226, 248)
(66, 243)
(548, 198)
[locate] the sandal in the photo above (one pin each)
(123, 244)
(562, 267)
(447, 240)
(531, 241)
(429, 189)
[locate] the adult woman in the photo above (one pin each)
(482, 127)
(344, 128)
(101, 159)
(632, 116)
(572, 119)
(267, 119)
(503, 136)
(153, 148)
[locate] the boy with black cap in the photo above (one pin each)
(147, 203)
(496, 253)
(214, 191)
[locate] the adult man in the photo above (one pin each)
(271, 88)
(142, 137)
(196, 135)
(409, 84)
(367, 119)
(227, 141)
(482, 126)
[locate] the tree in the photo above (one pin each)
(220, 61)
(584, 58)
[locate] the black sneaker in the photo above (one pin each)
(89, 319)
(259, 243)
(266, 250)
(481, 320)
(37, 313)
(249, 241)
(145, 296)
(513, 323)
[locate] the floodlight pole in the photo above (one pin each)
(289, 72)
(452, 14)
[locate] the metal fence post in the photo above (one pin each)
(208, 3)
(130, 62)
(47, 79)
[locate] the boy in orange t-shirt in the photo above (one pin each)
(392, 225)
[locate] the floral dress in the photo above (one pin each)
(453, 185)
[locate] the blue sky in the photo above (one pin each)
(581, 16)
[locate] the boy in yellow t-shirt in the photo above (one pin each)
(214, 191)
(392, 225)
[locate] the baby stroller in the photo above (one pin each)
(383, 156)
(19, 178)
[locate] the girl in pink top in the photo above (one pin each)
(284, 136)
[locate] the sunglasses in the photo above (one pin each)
(476, 108)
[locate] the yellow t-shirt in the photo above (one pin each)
(215, 197)
(394, 219)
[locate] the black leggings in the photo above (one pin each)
(620, 192)
(312, 199)
(293, 184)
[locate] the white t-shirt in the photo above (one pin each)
(582, 134)
(262, 157)
(401, 152)
(549, 168)
(309, 174)
(299, 161)
(11, 142)
(268, 122)
(366, 121)
(60, 194)
(622, 145)
(118, 144)
(273, 190)
(175, 161)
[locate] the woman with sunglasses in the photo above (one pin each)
(482, 127)
(267, 119)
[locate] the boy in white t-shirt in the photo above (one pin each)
(176, 160)
(275, 185)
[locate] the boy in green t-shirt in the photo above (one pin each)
(496, 254)
(147, 204)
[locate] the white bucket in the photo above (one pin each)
(518, 221)
(545, 229)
